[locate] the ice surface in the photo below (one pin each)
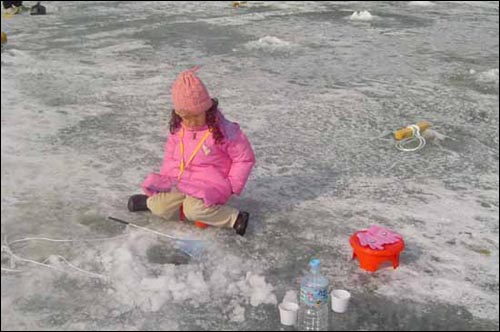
(85, 105)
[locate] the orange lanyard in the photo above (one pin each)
(183, 165)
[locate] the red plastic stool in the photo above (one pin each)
(197, 223)
(370, 259)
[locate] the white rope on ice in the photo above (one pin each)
(57, 240)
(10, 270)
(14, 257)
(185, 245)
(403, 144)
(92, 274)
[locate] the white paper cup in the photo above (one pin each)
(288, 313)
(340, 300)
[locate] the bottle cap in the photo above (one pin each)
(314, 263)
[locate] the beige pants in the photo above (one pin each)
(166, 205)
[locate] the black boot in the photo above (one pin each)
(38, 9)
(137, 203)
(240, 226)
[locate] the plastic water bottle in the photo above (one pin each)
(313, 311)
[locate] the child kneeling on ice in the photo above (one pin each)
(207, 159)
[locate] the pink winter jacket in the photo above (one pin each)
(217, 170)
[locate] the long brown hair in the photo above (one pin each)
(212, 119)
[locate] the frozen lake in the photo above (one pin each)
(84, 110)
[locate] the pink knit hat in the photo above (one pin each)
(190, 94)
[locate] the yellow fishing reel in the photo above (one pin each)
(410, 138)
(238, 4)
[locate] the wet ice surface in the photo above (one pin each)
(85, 100)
